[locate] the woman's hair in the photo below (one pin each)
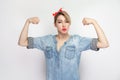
(65, 14)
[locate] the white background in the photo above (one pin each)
(19, 63)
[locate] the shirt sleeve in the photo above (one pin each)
(88, 43)
(35, 43)
(94, 44)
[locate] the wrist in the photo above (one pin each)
(28, 21)
(94, 22)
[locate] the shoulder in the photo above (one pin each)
(46, 36)
(76, 37)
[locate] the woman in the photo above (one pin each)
(63, 51)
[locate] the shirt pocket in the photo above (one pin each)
(49, 52)
(70, 52)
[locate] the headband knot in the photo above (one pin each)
(60, 10)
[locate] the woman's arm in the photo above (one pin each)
(24, 33)
(102, 40)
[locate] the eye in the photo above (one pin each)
(67, 21)
(59, 22)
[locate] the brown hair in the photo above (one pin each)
(65, 14)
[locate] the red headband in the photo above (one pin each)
(60, 10)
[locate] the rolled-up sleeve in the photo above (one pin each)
(37, 42)
(94, 44)
(86, 43)
(30, 43)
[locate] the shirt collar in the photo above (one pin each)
(55, 41)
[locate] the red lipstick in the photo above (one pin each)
(64, 29)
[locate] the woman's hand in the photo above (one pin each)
(33, 20)
(87, 21)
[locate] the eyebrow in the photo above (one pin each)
(60, 20)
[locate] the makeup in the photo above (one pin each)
(64, 29)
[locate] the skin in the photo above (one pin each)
(63, 35)
(102, 40)
(62, 27)
(24, 33)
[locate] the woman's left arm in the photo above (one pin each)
(102, 40)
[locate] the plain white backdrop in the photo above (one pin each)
(19, 63)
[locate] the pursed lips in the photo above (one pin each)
(64, 29)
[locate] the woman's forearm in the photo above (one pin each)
(24, 34)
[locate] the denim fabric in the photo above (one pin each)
(62, 64)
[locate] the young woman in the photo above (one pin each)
(63, 51)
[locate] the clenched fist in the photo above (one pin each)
(87, 21)
(33, 20)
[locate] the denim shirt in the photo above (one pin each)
(62, 64)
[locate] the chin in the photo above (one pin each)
(64, 32)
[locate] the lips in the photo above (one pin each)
(64, 29)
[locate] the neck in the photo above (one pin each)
(63, 36)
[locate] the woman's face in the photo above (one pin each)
(62, 24)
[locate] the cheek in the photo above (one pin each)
(58, 24)
(68, 26)
(59, 27)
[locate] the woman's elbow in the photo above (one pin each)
(24, 44)
(103, 45)
(106, 45)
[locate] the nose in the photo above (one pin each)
(64, 24)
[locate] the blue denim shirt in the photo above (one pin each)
(62, 65)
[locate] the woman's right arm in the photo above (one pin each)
(23, 41)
